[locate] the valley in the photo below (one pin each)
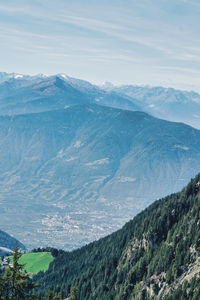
(73, 175)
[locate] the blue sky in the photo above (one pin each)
(155, 42)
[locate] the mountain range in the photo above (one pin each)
(165, 103)
(78, 161)
(23, 93)
(30, 94)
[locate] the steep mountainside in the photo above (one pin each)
(71, 176)
(8, 242)
(157, 255)
(165, 103)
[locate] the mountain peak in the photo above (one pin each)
(64, 76)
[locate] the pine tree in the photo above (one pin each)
(56, 296)
(5, 285)
(50, 295)
(15, 283)
(74, 293)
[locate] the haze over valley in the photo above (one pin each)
(78, 160)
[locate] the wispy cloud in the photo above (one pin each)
(94, 38)
(191, 2)
(11, 9)
(187, 57)
(179, 69)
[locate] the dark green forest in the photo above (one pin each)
(154, 256)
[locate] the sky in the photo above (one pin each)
(140, 42)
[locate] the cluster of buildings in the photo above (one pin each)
(5, 262)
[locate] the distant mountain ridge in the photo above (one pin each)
(30, 94)
(25, 94)
(165, 103)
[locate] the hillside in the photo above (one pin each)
(8, 242)
(154, 255)
(84, 171)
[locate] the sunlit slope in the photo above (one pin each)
(36, 262)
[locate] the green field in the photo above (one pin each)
(36, 262)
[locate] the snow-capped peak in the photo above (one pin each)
(64, 76)
(16, 76)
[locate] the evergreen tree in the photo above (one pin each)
(57, 296)
(15, 283)
(5, 284)
(50, 295)
(74, 293)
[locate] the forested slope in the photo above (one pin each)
(155, 254)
